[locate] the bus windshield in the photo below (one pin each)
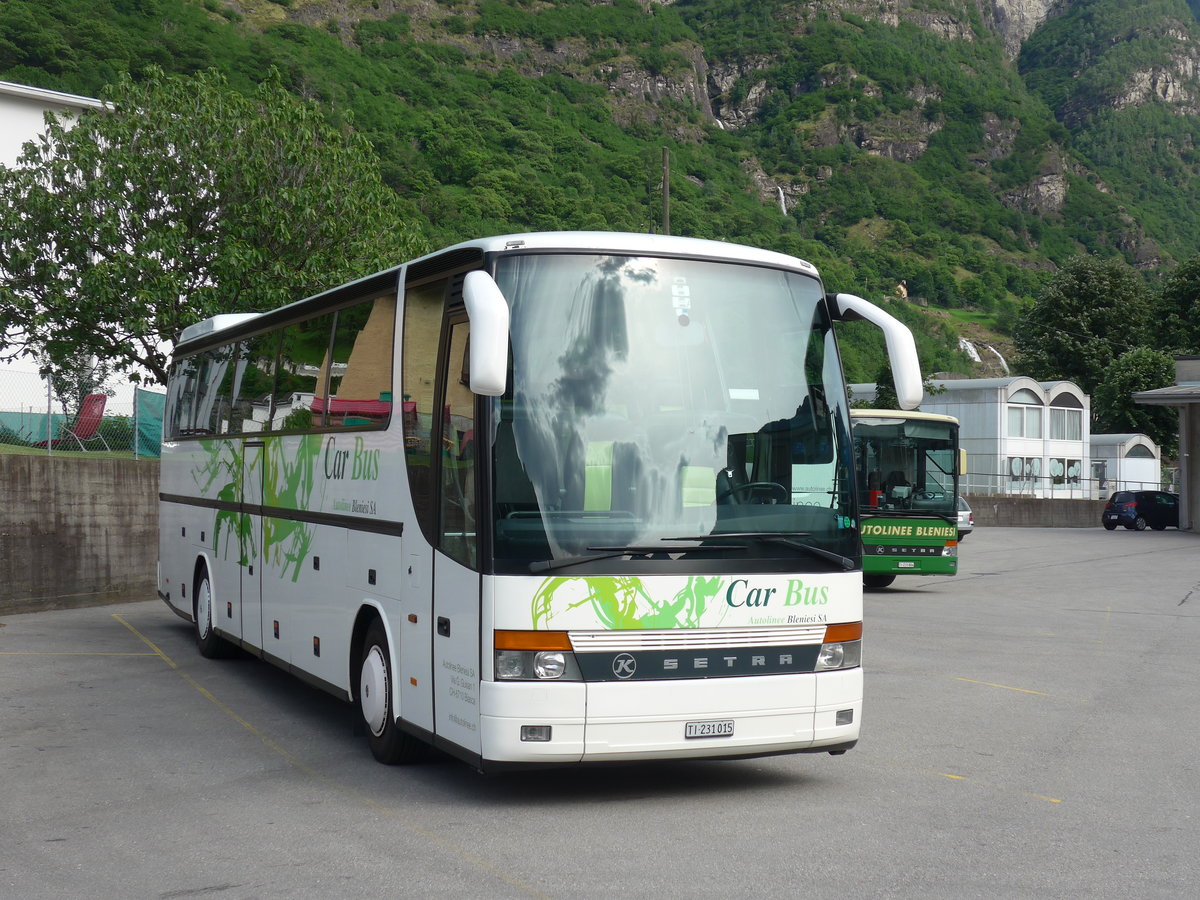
(906, 465)
(661, 405)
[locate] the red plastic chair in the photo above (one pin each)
(86, 426)
(87, 423)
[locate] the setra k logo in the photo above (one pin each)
(624, 665)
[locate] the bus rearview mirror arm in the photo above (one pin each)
(902, 349)
(488, 312)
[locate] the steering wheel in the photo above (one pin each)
(761, 492)
(929, 495)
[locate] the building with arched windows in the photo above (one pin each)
(1031, 438)
(1128, 462)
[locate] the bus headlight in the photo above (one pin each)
(535, 656)
(842, 655)
(510, 664)
(549, 664)
(842, 648)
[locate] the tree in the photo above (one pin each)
(1179, 309)
(74, 379)
(185, 199)
(1114, 410)
(1091, 312)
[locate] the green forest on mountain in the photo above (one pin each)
(493, 116)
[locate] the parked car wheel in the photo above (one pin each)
(1110, 526)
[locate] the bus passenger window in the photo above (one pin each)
(423, 306)
(303, 368)
(252, 384)
(360, 377)
(457, 525)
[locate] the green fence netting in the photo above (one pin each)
(148, 413)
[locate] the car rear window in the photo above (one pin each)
(1121, 497)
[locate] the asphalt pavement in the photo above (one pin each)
(1029, 730)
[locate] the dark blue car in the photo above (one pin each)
(1138, 509)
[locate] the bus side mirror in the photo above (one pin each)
(488, 311)
(902, 349)
(962, 461)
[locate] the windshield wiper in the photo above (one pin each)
(545, 565)
(787, 538)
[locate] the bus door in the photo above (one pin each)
(456, 580)
(250, 538)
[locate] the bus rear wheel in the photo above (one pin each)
(876, 582)
(210, 644)
(388, 743)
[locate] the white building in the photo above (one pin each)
(1021, 436)
(1126, 462)
(22, 119)
(22, 111)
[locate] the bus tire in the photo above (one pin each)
(877, 582)
(210, 644)
(388, 743)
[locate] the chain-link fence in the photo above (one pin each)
(1005, 484)
(33, 420)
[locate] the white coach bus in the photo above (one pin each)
(541, 498)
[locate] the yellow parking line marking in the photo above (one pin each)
(67, 653)
(965, 779)
(1004, 687)
(996, 787)
(449, 846)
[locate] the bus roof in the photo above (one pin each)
(468, 253)
(632, 243)
(859, 413)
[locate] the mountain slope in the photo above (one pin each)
(962, 148)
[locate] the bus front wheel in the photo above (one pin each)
(388, 743)
(210, 644)
(875, 582)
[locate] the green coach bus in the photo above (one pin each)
(908, 465)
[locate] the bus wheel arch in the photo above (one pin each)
(373, 682)
(210, 644)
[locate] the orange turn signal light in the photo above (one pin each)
(532, 640)
(846, 631)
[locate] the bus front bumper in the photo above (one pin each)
(610, 721)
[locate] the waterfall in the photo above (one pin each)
(1003, 362)
(782, 205)
(968, 348)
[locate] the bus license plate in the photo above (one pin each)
(723, 728)
(907, 565)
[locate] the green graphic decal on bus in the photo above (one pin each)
(630, 603)
(288, 484)
(219, 478)
(624, 602)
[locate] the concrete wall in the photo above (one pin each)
(76, 532)
(1031, 512)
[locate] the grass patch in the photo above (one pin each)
(18, 450)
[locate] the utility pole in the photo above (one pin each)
(666, 190)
